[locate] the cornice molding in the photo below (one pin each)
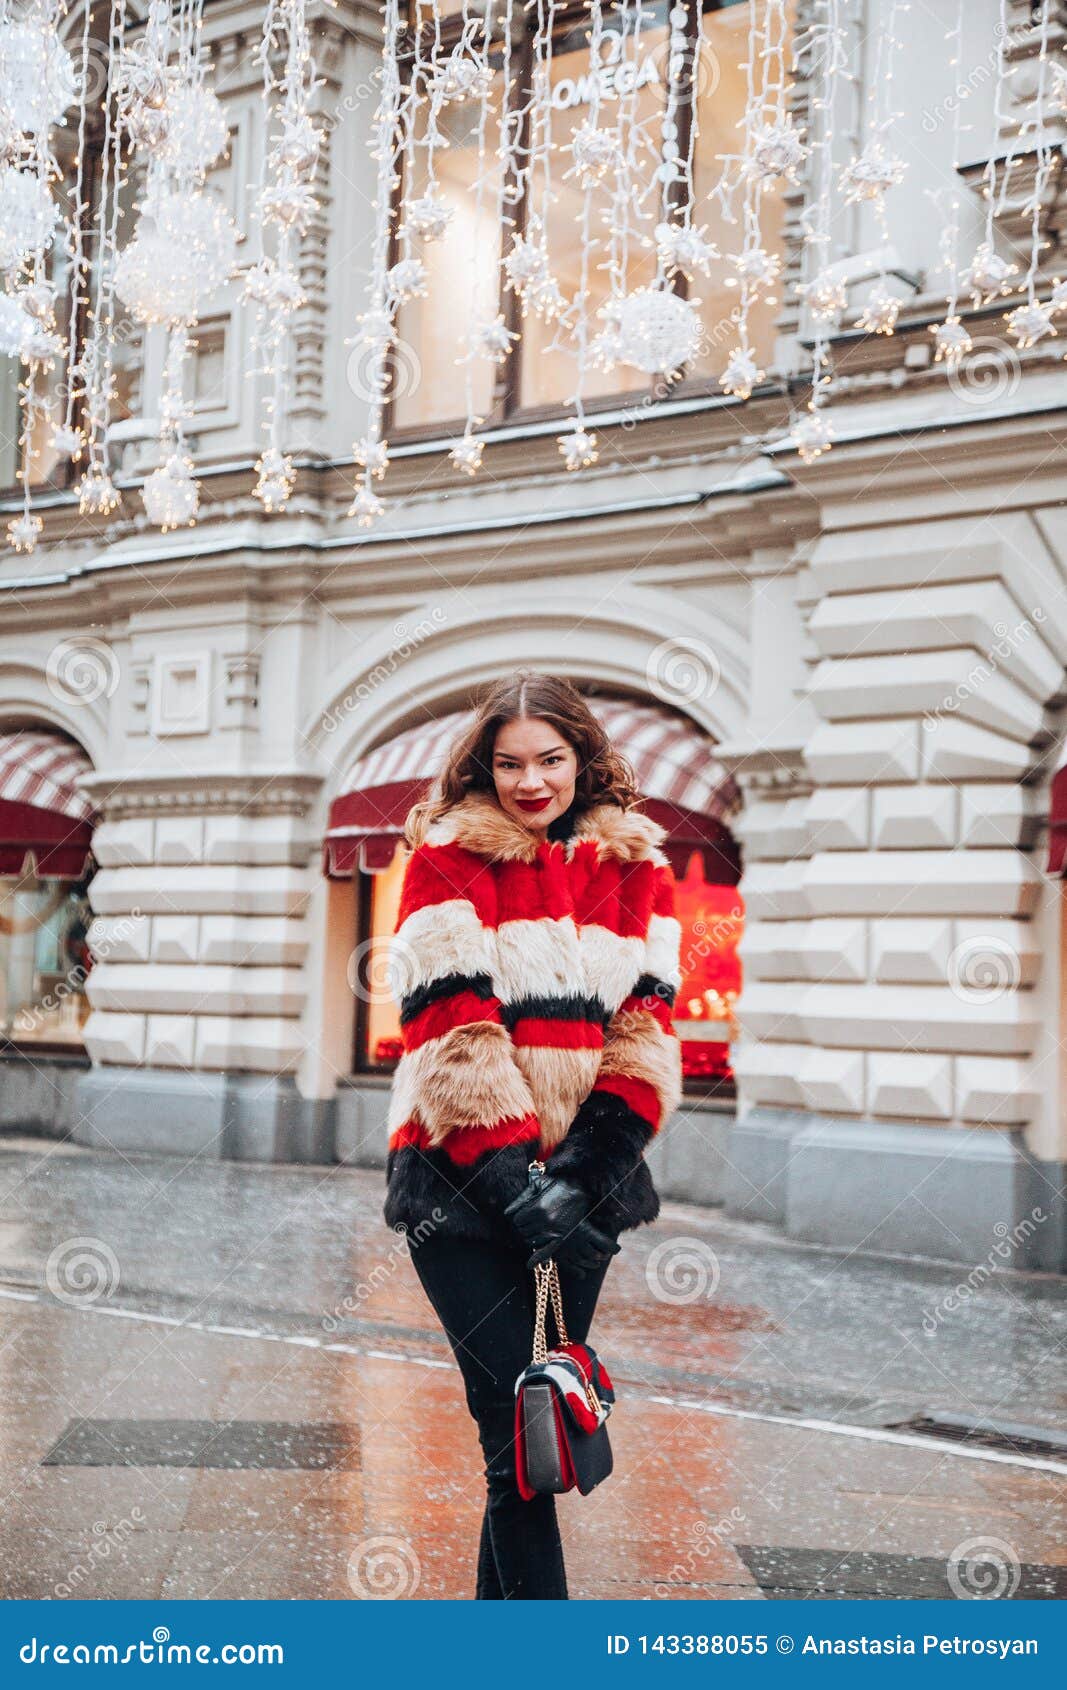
(120, 793)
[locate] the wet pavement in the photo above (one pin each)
(224, 1380)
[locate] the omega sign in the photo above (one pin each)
(616, 77)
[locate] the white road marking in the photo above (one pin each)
(835, 1428)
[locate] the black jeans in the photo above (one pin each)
(483, 1295)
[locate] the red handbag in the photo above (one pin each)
(562, 1402)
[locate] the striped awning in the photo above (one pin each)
(42, 813)
(683, 784)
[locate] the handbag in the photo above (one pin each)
(562, 1402)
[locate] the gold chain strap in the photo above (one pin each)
(547, 1276)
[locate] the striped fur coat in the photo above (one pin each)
(535, 979)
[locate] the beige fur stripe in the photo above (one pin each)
(467, 1078)
(636, 1046)
(558, 1081)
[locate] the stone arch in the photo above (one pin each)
(455, 647)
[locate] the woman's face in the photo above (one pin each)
(534, 769)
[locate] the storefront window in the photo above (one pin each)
(711, 916)
(44, 960)
(540, 372)
(428, 380)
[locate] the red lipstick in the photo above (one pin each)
(532, 803)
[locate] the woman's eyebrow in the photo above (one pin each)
(547, 753)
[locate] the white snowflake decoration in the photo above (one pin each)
(69, 443)
(1059, 86)
(40, 83)
(951, 342)
(23, 531)
(777, 152)
(171, 495)
(276, 479)
(658, 331)
(41, 346)
(880, 313)
(408, 279)
(28, 215)
(372, 455)
(1058, 297)
(299, 144)
(288, 201)
(1029, 323)
(97, 494)
(578, 449)
(430, 217)
(196, 132)
(466, 454)
(826, 296)
(544, 298)
(526, 263)
(759, 268)
(684, 249)
(812, 435)
(366, 507)
(461, 78)
(871, 175)
(376, 330)
(14, 325)
(988, 275)
(595, 151)
(274, 287)
(494, 339)
(741, 374)
(182, 250)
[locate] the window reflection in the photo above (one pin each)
(44, 960)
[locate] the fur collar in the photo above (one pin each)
(479, 824)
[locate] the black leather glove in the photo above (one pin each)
(551, 1218)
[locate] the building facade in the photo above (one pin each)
(864, 656)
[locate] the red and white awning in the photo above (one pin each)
(684, 786)
(41, 810)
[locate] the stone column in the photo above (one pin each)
(198, 987)
(899, 1071)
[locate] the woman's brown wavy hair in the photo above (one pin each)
(604, 775)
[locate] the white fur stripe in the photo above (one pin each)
(536, 959)
(435, 941)
(611, 964)
(662, 952)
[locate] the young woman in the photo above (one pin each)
(535, 962)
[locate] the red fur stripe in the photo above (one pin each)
(639, 1095)
(438, 872)
(441, 1016)
(558, 1035)
(663, 890)
(464, 1145)
(411, 1132)
(652, 1005)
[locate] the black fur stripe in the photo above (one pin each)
(571, 1008)
(445, 986)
